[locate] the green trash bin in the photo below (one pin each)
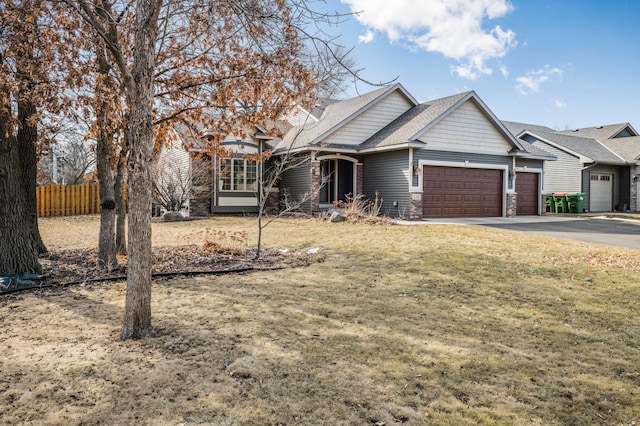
(560, 202)
(575, 202)
(549, 204)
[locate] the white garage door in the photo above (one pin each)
(600, 192)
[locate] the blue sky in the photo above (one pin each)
(564, 63)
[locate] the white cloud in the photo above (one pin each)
(366, 37)
(504, 71)
(453, 28)
(560, 103)
(533, 80)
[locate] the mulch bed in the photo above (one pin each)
(68, 267)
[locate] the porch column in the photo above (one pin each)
(512, 204)
(635, 184)
(316, 178)
(415, 206)
(359, 181)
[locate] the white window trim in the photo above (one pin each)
(232, 174)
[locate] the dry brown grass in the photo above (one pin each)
(433, 324)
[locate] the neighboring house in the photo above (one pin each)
(601, 162)
(449, 157)
(172, 178)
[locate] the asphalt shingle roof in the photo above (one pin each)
(601, 132)
(628, 148)
(333, 115)
(517, 128)
(589, 147)
(404, 128)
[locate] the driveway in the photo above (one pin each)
(614, 232)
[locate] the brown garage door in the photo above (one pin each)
(527, 189)
(461, 192)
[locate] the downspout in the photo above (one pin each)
(410, 168)
(261, 195)
(513, 169)
(587, 194)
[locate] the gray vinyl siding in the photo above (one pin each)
(533, 164)
(562, 175)
(387, 174)
(297, 181)
(467, 129)
(369, 122)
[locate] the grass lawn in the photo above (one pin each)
(432, 324)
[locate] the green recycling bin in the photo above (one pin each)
(575, 202)
(549, 204)
(560, 202)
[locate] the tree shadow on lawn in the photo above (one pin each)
(384, 340)
(379, 350)
(79, 301)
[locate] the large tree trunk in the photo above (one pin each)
(104, 156)
(27, 138)
(17, 252)
(137, 315)
(121, 208)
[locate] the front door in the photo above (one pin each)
(337, 176)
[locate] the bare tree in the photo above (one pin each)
(172, 177)
(268, 182)
(76, 159)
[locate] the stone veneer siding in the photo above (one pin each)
(415, 206)
(635, 171)
(359, 177)
(201, 188)
(512, 204)
(315, 186)
(543, 203)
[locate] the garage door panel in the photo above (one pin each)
(452, 186)
(453, 199)
(462, 192)
(473, 199)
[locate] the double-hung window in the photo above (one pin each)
(238, 174)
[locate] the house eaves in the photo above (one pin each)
(395, 147)
(534, 153)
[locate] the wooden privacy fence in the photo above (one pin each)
(67, 200)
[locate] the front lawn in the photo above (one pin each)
(431, 324)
